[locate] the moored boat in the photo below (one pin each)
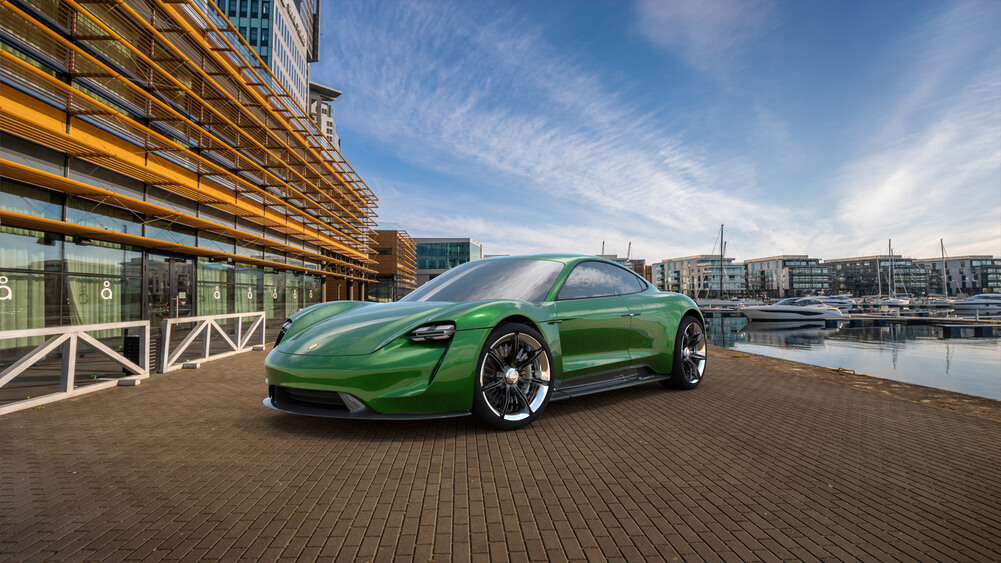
(793, 309)
(985, 303)
(842, 302)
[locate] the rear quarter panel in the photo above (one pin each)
(655, 328)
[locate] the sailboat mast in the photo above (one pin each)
(945, 287)
(879, 279)
(721, 261)
(892, 287)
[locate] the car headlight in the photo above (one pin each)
(442, 331)
(281, 333)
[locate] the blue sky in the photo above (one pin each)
(820, 128)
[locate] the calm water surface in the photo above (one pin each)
(913, 354)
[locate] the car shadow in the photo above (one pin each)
(420, 430)
(367, 430)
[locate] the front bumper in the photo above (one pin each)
(335, 405)
(403, 380)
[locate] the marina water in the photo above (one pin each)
(912, 354)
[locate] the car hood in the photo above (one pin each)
(363, 330)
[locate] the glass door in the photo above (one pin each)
(170, 284)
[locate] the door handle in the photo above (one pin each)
(632, 315)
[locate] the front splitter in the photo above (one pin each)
(367, 414)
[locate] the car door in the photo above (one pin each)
(593, 323)
(651, 342)
(648, 339)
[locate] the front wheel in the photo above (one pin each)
(513, 377)
(689, 355)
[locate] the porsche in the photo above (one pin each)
(497, 338)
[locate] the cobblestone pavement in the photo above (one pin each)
(759, 463)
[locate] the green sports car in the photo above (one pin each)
(497, 338)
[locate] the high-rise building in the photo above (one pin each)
(787, 276)
(284, 33)
(967, 275)
(435, 256)
(322, 111)
(396, 264)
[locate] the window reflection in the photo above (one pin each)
(598, 279)
(521, 280)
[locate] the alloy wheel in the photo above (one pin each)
(693, 352)
(515, 376)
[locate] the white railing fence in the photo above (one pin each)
(242, 338)
(68, 338)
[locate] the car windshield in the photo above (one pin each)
(481, 280)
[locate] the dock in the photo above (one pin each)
(766, 460)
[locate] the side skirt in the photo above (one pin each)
(615, 380)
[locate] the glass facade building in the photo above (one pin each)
(877, 275)
(964, 275)
(699, 276)
(136, 185)
(283, 33)
(435, 256)
(787, 276)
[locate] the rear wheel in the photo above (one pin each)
(513, 377)
(689, 355)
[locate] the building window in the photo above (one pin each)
(232, 8)
(253, 9)
(253, 36)
(266, 10)
(92, 214)
(29, 200)
(243, 8)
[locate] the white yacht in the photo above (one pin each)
(985, 303)
(793, 309)
(890, 302)
(842, 302)
(932, 304)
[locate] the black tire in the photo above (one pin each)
(513, 380)
(689, 355)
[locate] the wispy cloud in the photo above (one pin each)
(707, 35)
(501, 100)
(536, 150)
(932, 166)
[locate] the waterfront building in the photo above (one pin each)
(322, 111)
(965, 275)
(871, 275)
(283, 33)
(435, 256)
(787, 276)
(396, 264)
(699, 276)
(137, 185)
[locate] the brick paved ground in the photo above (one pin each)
(757, 464)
